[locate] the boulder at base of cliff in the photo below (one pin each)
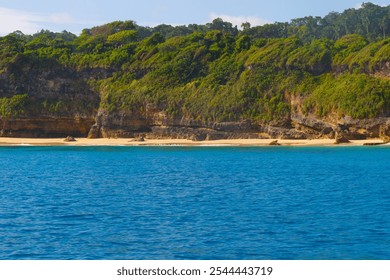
(70, 139)
(94, 132)
(198, 137)
(341, 139)
(274, 143)
(384, 132)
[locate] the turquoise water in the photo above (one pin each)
(194, 203)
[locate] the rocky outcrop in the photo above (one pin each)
(341, 139)
(59, 101)
(274, 143)
(384, 132)
(350, 128)
(313, 127)
(154, 123)
(334, 127)
(45, 127)
(70, 139)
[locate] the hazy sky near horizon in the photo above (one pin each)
(30, 16)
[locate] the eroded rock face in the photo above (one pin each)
(384, 132)
(59, 102)
(46, 127)
(334, 127)
(155, 124)
(341, 139)
(62, 103)
(313, 127)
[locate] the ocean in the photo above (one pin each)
(209, 203)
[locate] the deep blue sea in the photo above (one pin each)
(285, 203)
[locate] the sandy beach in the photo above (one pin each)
(5, 141)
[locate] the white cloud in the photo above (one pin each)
(238, 20)
(29, 23)
(12, 20)
(61, 18)
(359, 6)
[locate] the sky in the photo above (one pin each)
(31, 16)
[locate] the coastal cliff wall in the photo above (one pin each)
(60, 102)
(125, 124)
(298, 123)
(214, 83)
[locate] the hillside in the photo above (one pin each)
(309, 78)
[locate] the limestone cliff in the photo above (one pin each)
(61, 102)
(58, 101)
(201, 86)
(157, 125)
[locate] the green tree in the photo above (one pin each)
(245, 26)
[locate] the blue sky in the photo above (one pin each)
(30, 16)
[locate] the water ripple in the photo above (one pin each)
(194, 203)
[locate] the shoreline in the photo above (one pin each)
(8, 141)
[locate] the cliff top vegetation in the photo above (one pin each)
(338, 64)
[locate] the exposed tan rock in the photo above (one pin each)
(46, 127)
(70, 139)
(274, 143)
(341, 139)
(384, 132)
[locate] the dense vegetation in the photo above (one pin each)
(216, 72)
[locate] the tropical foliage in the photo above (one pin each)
(215, 72)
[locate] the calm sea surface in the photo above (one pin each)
(194, 203)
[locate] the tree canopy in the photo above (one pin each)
(216, 72)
